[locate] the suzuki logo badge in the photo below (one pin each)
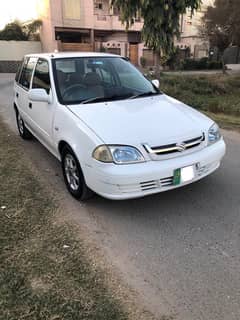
(181, 147)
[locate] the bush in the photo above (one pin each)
(214, 65)
(202, 64)
(103, 49)
(189, 64)
(192, 64)
(143, 62)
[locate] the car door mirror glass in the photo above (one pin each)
(156, 83)
(39, 95)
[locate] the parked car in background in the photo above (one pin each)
(113, 130)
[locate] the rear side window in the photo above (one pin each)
(41, 78)
(19, 71)
(26, 75)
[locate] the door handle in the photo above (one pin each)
(17, 94)
(30, 105)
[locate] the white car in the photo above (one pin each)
(113, 130)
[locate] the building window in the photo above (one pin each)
(101, 7)
(71, 9)
(98, 6)
(116, 11)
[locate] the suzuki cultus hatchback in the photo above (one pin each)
(113, 130)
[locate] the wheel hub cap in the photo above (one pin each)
(71, 172)
(20, 124)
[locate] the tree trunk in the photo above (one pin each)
(157, 62)
(224, 69)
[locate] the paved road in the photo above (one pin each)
(180, 250)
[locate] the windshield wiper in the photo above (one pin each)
(119, 97)
(103, 99)
(144, 94)
(95, 99)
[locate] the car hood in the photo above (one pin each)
(154, 120)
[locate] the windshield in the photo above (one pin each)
(98, 79)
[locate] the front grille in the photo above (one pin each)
(175, 147)
(166, 182)
(147, 185)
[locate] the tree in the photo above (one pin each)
(31, 29)
(13, 31)
(21, 31)
(161, 20)
(221, 24)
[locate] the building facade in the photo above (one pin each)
(89, 25)
(190, 32)
(92, 25)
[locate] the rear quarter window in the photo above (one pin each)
(26, 74)
(19, 71)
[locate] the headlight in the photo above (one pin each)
(118, 154)
(213, 134)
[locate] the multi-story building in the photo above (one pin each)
(190, 32)
(87, 25)
(92, 25)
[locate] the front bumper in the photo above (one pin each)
(119, 182)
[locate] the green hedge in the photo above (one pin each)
(201, 64)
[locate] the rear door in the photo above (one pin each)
(42, 113)
(22, 87)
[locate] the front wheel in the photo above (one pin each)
(73, 176)
(23, 131)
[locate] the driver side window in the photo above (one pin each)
(41, 78)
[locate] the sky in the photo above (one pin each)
(16, 9)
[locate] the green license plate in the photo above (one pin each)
(183, 175)
(177, 177)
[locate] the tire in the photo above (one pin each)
(23, 131)
(73, 175)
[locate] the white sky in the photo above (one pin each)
(16, 9)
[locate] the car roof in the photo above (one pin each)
(57, 55)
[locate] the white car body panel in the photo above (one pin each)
(126, 182)
(157, 120)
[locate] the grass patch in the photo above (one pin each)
(218, 95)
(45, 272)
(225, 121)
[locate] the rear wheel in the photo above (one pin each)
(73, 175)
(23, 131)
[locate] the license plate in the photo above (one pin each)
(183, 175)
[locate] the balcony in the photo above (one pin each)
(112, 22)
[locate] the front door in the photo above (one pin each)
(133, 53)
(42, 113)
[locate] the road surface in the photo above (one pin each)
(179, 250)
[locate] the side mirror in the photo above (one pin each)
(156, 83)
(39, 95)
